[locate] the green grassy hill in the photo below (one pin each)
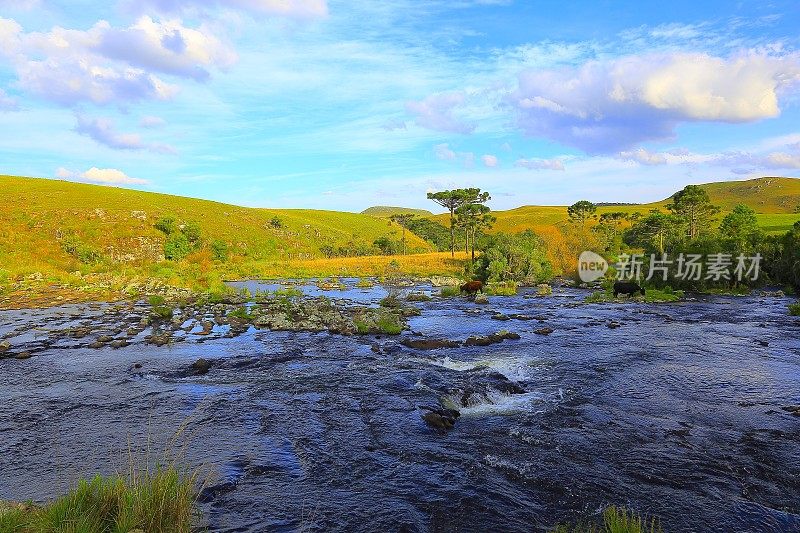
(37, 216)
(385, 211)
(774, 199)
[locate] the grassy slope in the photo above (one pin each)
(385, 211)
(775, 199)
(119, 223)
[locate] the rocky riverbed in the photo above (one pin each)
(329, 412)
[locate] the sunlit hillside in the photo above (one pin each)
(37, 216)
(774, 199)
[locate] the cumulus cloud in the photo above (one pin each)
(111, 65)
(489, 160)
(297, 9)
(164, 46)
(102, 130)
(437, 112)
(106, 176)
(611, 106)
(540, 164)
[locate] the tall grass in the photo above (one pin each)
(161, 500)
(616, 520)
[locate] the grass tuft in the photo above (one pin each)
(794, 309)
(616, 520)
(162, 500)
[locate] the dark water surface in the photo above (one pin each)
(677, 413)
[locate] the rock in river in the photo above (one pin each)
(201, 367)
(429, 344)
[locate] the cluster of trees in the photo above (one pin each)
(690, 225)
(520, 257)
(468, 213)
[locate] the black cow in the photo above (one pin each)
(627, 287)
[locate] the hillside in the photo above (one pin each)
(775, 199)
(385, 211)
(38, 215)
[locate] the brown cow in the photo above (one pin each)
(471, 287)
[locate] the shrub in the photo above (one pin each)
(508, 288)
(80, 251)
(219, 250)
(450, 290)
(192, 232)
(276, 222)
(794, 309)
(177, 247)
(241, 313)
(166, 225)
(390, 324)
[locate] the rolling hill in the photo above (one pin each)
(37, 216)
(774, 199)
(385, 211)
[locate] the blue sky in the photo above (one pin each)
(346, 104)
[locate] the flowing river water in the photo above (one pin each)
(683, 412)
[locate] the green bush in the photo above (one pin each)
(192, 232)
(166, 225)
(507, 288)
(450, 290)
(177, 247)
(219, 250)
(794, 309)
(390, 324)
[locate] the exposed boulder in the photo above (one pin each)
(201, 367)
(429, 344)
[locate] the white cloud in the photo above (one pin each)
(111, 65)
(540, 164)
(489, 160)
(645, 157)
(103, 131)
(609, 106)
(106, 176)
(165, 46)
(437, 112)
(297, 9)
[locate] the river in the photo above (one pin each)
(678, 413)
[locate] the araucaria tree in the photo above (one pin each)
(694, 207)
(581, 211)
(452, 200)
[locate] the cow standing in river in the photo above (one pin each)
(627, 287)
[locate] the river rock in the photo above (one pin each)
(201, 367)
(440, 418)
(119, 343)
(486, 340)
(4, 346)
(481, 299)
(544, 331)
(23, 355)
(429, 344)
(500, 316)
(613, 325)
(444, 281)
